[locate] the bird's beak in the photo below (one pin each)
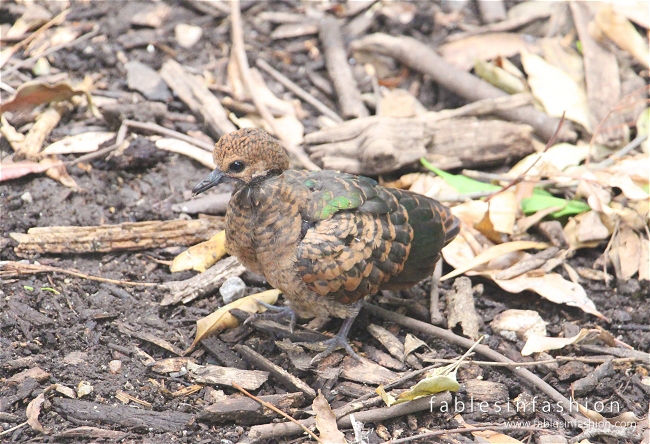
(208, 182)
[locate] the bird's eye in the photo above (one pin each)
(237, 166)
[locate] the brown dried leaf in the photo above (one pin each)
(79, 143)
(29, 95)
(326, 421)
(464, 52)
(222, 319)
(33, 411)
(629, 246)
(537, 344)
(623, 33)
(187, 149)
(11, 170)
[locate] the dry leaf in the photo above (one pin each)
(471, 212)
(556, 90)
(623, 33)
(29, 95)
(187, 149)
(644, 261)
(487, 255)
(222, 319)
(499, 77)
(201, 256)
(537, 344)
(518, 324)
(503, 210)
(79, 143)
(412, 343)
(488, 435)
(555, 160)
(629, 246)
(591, 228)
(10, 170)
(326, 421)
(33, 411)
(57, 171)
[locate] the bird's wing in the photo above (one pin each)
(358, 238)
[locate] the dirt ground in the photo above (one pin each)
(69, 326)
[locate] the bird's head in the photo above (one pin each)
(245, 156)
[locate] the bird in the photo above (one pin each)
(325, 239)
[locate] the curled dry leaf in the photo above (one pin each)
(326, 421)
(10, 170)
(33, 411)
(187, 149)
(29, 95)
(556, 90)
(201, 256)
(412, 343)
(222, 319)
(537, 344)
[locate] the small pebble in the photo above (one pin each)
(27, 197)
(115, 366)
(232, 289)
(187, 35)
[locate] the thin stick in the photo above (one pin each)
(468, 430)
(20, 268)
(534, 363)
(154, 127)
(607, 248)
(638, 140)
(520, 178)
(13, 428)
(240, 54)
(434, 295)
(291, 86)
(276, 410)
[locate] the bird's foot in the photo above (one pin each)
(277, 314)
(338, 341)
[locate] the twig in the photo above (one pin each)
(481, 349)
(338, 68)
(13, 428)
(119, 139)
(11, 268)
(291, 86)
(534, 363)
(468, 430)
(520, 178)
(607, 248)
(52, 50)
(275, 409)
(154, 127)
(237, 33)
(434, 294)
(638, 140)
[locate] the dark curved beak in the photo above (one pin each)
(212, 179)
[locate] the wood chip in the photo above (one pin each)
(214, 374)
(244, 410)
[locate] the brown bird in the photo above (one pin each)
(324, 238)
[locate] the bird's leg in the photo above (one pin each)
(278, 313)
(341, 338)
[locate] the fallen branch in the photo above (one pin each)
(424, 59)
(129, 236)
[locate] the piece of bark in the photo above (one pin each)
(602, 79)
(215, 374)
(421, 57)
(147, 337)
(197, 97)
(491, 10)
(554, 232)
(246, 411)
(530, 263)
(222, 353)
(388, 340)
(116, 113)
(281, 375)
(124, 416)
(130, 236)
(263, 433)
(201, 284)
(366, 372)
(488, 391)
(339, 70)
(376, 145)
(460, 304)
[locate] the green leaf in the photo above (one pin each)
(462, 184)
(542, 199)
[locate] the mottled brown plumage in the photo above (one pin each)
(325, 239)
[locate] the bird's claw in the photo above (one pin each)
(278, 314)
(338, 341)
